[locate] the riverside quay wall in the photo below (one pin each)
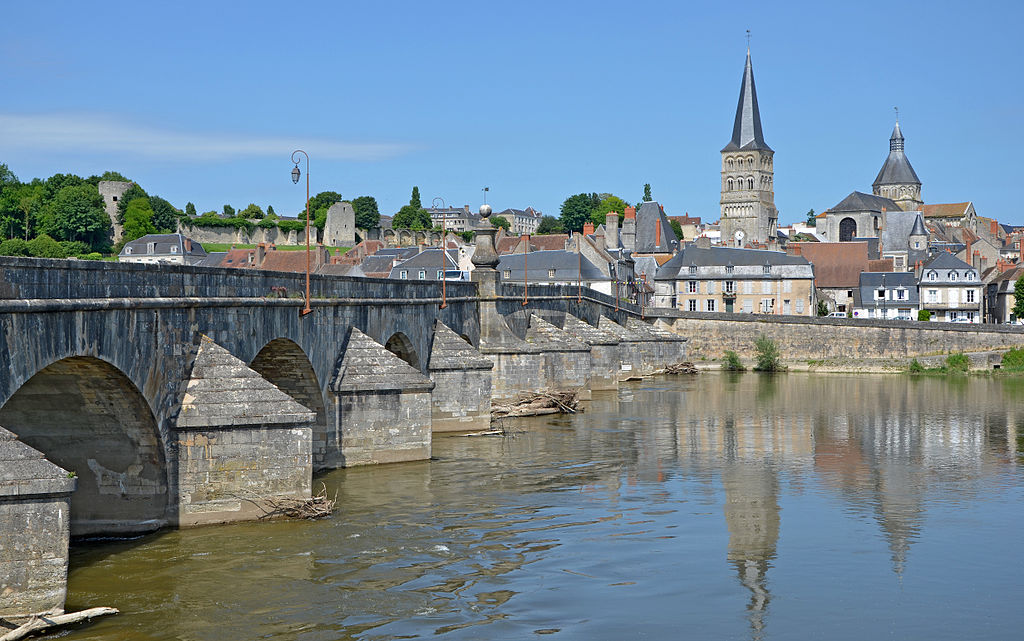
(149, 396)
(802, 338)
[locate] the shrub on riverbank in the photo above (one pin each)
(958, 363)
(1013, 360)
(767, 352)
(916, 367)
(732, 362)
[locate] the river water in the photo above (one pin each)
(720, 506)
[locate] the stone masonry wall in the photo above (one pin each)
(224, 473)
(383, 427)
(461, 400)
(33, 554)
(516, 372)
(710, 336)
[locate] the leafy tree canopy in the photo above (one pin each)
(113, 175)
(550, 225)
(252, 211)
(676, 228)
(500, 221)
(1018, 298)
(165, 216)
(229, 211)
(367, 213)
(811, 220)
(415, 199)
(412, 217)
(129, 195)
(577, 210)
(76, 213)
(190, 209)
(608, 204)
(323, 200)
(270, 211)
(138, 219)
(647, 193)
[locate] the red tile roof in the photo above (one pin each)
(836, 264)
(945, 210)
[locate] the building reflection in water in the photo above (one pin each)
(885, 447)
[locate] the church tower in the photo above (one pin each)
(897, 180)
(748, 191)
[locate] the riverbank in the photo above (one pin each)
(981, 361)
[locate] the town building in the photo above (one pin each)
(1000, 297)
(887, 295)
(428, 264)
(268, 257)
(748, 213)
(521, 221)
(950, 289)
(176, 249)
(455, 219)
(702, 278)
(554, 267)
(837, 269)
(897, 179)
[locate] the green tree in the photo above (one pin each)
(190, 209)
(252, 211)
(415, 199)
(165, 216)
(229, 211)
(822, 308)
(500, 221)
(138, 219)
(113, 175)
(1018, 299)
(270, 211)
(811, 220)
(57, 182)
(323, 200)
(42, 246)
(11, 218)
(76, 213)
(677, 229)
(577, 210)
(608, 204)
(14, 247)
(647, 193)
(767, 352)
(924, 315)
(550, 225)
(411, 217)
(129, 195)
(367, 213)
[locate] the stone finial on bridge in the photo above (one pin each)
(461, 400)
(35, 518)
(242, 442)
(383, 406)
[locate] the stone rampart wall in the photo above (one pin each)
(234, 235)
(710, 335)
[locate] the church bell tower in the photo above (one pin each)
(748, 191)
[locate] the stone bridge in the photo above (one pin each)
(164, 395)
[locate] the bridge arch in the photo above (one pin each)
(88, 417)
(400, 345)
(285, 364)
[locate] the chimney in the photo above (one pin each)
(629, 229)
(702, 242)
(794, 249)
(324, 254)
(588, 228)
(657, 234)
(993, 228)
(611, 230)
(967, 253)
(976, 260)
(261, 253)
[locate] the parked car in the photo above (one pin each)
(837, 315)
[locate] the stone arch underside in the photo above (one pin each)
(86, 416)
(400, 345)
(285, 364)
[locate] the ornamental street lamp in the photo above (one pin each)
(444, 249)
(295, 179)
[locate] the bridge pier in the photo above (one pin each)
(661, 346)
(242, 443)
(461, 400)
(632, 359)
(382, 405)
(604, 353)
(566, 358)
(35, 526)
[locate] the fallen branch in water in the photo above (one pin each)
(276, 507)
(537, 404)
(44, 622)
(685, 367)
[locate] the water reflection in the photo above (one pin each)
(715, 501)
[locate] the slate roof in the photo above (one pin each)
(378, 265)
(896, 169)
(182, 245)
(870, 281)
(859, 201)
(945, 262)
(212, 259)
(895, 236)
(717, 255)
(566, 265)
(746, 129)
(429, 260)
(368, 366)
(222, 390)
(450, 351)
(25, 471)
(648, 218)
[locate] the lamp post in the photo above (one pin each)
(295, 179)
(526, 276)
(444, 249)
(579, 272)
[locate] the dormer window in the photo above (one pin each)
(766, 269)
(932, 275)
(174, 249)
(728, 269)
(127, 250)
(506, 273)
(693, 269)
(969, 275)
(952, 275)
(551, 273)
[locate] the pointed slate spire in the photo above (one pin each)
(896, 139)
(919, 228)
(896, 170)
(746, 130)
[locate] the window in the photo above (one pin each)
(730, 287)
(440, 274)
(879, 294)
(748, 306)
(730, 184)
(933, 295)
(767, 305)
(174, 250)
(403, 274)
(505, 274)
(970, 296)
(787, 285)
(766, 287)
(766, 269)
(901, 294)
(691, 286)
(711, 287)
(952, 276)
(932, 275)
(800, 306)
(693, 269)
(423, 274)
(728, 269)
(969, 276)
(748, 287)
(128, 250)
(115, 198)
(849, 293)
(711, 304)
(691, 305)
(750, 183)
(551, 273)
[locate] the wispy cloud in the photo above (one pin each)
(99, 134)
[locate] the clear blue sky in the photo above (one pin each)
(537, 100)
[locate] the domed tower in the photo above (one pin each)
(748, 189)
(897, 180)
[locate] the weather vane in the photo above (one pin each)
(748, 39)
(897, 110)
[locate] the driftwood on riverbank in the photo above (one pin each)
(317, 506)
(537, 404)
(40, 622)
(686, 367)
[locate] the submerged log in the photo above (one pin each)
(537, 404)
(685, 367)
(40, 622)
(317, 506)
